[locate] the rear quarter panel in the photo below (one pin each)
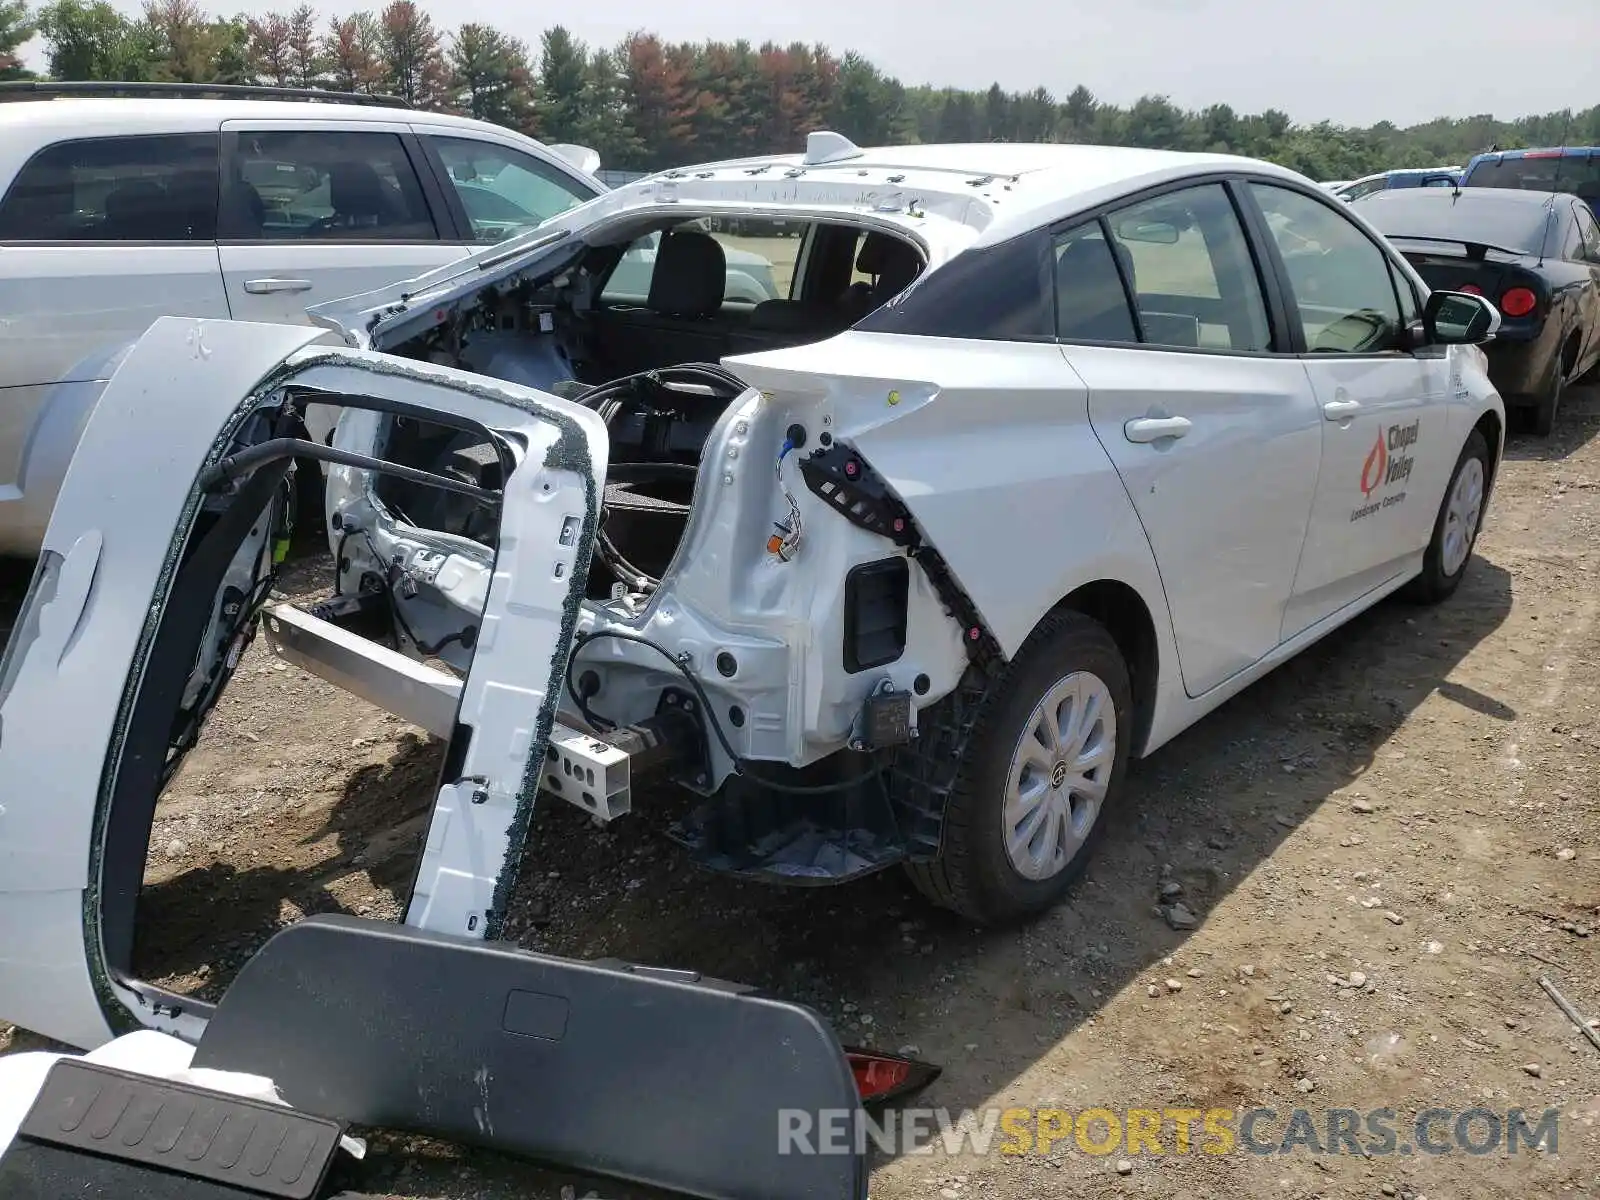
(989, 444)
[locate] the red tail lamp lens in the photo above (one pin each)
(1472, 289)
(1518, 302)
(881, 1077)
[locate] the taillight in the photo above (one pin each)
(1518, 302)
(1472, 289)
(883, 1077)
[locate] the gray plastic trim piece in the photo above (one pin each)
(244, 1143)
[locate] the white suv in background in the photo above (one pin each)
(123, 203)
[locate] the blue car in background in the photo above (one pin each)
(1571, 169)
(1407, 177)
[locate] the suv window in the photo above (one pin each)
(758, 259)
(124, 189)
(1342, 283)
(1545, 172)
(505, 191)
(1356, 191)
(1193, 279)
(324, 185)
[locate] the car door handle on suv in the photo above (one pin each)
(263, 287)
(1153, 429)
(1341, 410)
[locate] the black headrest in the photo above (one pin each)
(891, 262)
(140, 210)
(356, 190)
(690, 276)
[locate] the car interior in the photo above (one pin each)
(648, 364)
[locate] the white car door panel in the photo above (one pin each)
(61, 304)
(1219, 456)
(1384, 407)
(275, 282)
(313, 210)
(1386, 456)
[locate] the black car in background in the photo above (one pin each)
(1534, 255)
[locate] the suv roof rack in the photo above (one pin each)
(30, 89)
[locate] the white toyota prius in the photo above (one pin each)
(1041, 454)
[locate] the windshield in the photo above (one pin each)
(1509, 222)
(1553, 173)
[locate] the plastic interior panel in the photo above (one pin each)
(653, 1076)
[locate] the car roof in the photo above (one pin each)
(109, 115)
(996, 188)
(1538, 152)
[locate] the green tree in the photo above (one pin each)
(563, 75)
(306, 62)
(267, 48)
(90, 40)
(16, 28)
(492, 77)
(605, 126)
(185, 40)
(411, 55)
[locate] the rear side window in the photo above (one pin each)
(1539, 173)
(1002, 293)
(324, 185)
(1091, 301)
(126, 189)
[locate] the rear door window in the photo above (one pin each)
(160, 188)
(1193, 279)
(505, 191)
(324, 185)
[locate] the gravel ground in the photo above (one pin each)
(1385, 843)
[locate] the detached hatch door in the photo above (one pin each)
(81, 690)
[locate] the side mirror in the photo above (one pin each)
(1459, 319)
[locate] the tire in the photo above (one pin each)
(1436, 582)
(1543, 414)
(975, 875)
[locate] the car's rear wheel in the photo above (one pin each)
(1455, 530)
(1047, 756)
(1542, 417)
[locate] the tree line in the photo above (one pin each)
(646, 104)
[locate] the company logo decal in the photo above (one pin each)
(1388, 463)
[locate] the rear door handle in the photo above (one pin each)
(1339, 410)
(1153, 429)
(263, 287)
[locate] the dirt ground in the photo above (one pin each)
(1386, 842)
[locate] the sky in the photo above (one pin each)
(1354, 62)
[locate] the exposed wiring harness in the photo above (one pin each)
(741, 767)
(785, 539)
